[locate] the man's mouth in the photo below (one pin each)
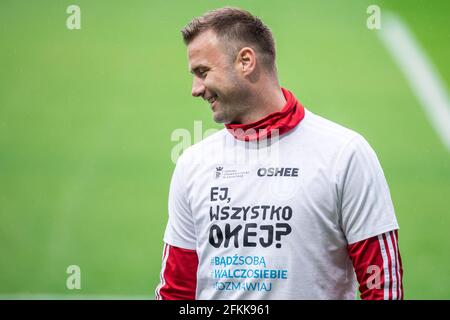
(212, 99)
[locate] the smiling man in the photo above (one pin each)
(307, 220)
(234, 89)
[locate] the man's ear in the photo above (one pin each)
(246, 61)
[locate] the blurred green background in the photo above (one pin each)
(86, 118)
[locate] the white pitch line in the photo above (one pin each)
(50, 296)
(420, 72)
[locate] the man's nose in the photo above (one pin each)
(198, 88)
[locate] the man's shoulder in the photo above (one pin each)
(332, 138)
(197, 150)
(326, 130)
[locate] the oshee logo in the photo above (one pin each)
(277, 172)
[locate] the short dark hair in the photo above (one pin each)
(236, 25)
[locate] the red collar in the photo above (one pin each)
(284, 120)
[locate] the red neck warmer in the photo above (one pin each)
(284, 120)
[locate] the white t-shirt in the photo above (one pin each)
(273, 220)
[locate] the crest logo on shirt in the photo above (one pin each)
(218, 172)
(230, 173)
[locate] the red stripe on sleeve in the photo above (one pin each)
(400, 266)
(389, 263)
(378, 267)
(178, 274)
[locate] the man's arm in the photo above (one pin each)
(180, 261)
(178, 274)
(378, 267)
(368, 221)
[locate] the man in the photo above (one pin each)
(302, 221)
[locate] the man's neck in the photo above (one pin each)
(267, 100)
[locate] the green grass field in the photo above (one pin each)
(86, 118)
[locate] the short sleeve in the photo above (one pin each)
(180, 229)
(365, 202)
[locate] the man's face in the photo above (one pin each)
(216, 78)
